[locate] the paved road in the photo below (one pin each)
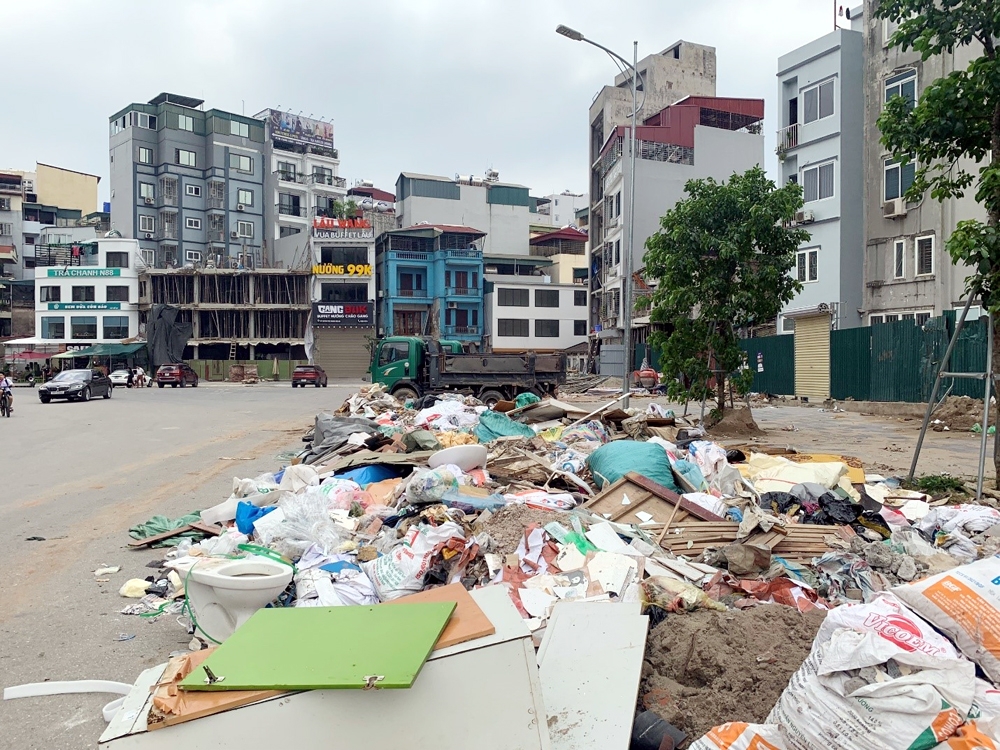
(79, 475)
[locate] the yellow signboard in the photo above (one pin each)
(351, 269)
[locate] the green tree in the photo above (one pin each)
(345, 209)
(722, 260)
(952, 133)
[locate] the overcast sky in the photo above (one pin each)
(433, 86)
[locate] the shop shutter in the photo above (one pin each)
(812, 357)
(342, 352)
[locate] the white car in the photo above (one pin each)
(119, 378)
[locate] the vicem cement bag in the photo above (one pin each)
(739, 736)
(402, 570)
(878, 677)
(963, 602)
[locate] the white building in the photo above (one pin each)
(559, 209)
(88, 294)
(532, 314)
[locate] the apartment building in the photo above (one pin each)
(908, 274)
(535, 314)
(695, 138)
(559, 209)
(819, 146)
(188, 183)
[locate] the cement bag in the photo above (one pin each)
(740, 736)
(878, 678)
(611, 462)
(401, 571)
(963, 603)
(981, 730)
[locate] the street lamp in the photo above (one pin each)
(626, 296)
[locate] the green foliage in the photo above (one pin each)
(937, 484)
(345, 209)
(722, 259)
(953, 131)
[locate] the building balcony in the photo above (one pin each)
(462, 330)
(216, 236)
(330, 181)
(408, 255)
(461, 291)
(168, 200)
(167, 233)
(469, 253)
(411, 293)
(52, 256)
(216, 204)
(292, 211)
(294, 178)
(11, 188)
(788, 138)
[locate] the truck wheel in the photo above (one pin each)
(491, 397)
(405, 392)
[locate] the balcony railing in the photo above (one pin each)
(408, 255)
(48, 256)
(788, 138)
(469, 253)
(216, 236)
(462, 330)
(422, 293)
(290, 210)
(9, 188)
(462, 291)
(216, 203)
(167, 233)
(318, 178)
(294, 177)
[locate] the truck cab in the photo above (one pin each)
(399, 363)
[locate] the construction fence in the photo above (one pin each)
(218, 370)
(887, 362)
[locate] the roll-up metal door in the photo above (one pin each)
(812, 356)
(342, 352)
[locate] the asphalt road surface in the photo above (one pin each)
(79, 475)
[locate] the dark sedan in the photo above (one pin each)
(76, 385)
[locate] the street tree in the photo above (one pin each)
(952, 132)
(722, 263)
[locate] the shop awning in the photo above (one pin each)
(102, 350)
(31, 356)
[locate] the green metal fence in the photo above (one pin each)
(772, 359)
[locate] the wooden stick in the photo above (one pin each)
(670, 520)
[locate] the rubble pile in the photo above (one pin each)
(588, 524)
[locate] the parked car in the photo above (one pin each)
(176, 375)
(76, 385)
(304, 375)
(119, 378)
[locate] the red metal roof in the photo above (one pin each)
(373, 192)
(446, 228)
(566, 233)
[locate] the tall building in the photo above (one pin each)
(820, 146)
(188, 183)
(908, 274)
(694, 138)
(559, 209)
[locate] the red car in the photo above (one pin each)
(304, 375)
(176, 375)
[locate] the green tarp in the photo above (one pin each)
(101, 350)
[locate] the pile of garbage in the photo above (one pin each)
(558, 504)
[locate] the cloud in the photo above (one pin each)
(437, 86)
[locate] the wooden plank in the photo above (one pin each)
(136, 543)
(207, 528)
(647, 496)
(467, 622)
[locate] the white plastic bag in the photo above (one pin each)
(914, 692)
(402, 570)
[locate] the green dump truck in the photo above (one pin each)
(411, 366)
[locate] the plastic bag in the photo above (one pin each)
(307, 522)
(401, 571)
(611, 462)
(709, 457)
(526, 399)
(741, 736)
(672, 595)
(493, 425)
(430, 485)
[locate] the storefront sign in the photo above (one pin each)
(325, 228)
(343, 314)
(90, 273)
(351, 269)
(302, 129)
(85, 305)
(325, 222)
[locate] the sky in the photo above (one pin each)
(433, 86)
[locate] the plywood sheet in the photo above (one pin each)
(307, 648)
(646, 496)
(467, 622)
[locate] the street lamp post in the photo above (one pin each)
(626, 297)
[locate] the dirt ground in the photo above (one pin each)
(705, 668)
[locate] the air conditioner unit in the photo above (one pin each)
(805, 217)
(381, 293)
(149, 235)
(234, 235)
(240, 207)
(894, 209)
(452, 305)
(149, 201)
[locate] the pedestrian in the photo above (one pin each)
(140, 376)
(131, 378)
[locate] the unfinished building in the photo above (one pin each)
(235, 314)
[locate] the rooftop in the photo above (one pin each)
(566, 233)
(182, 101)
(440, 229)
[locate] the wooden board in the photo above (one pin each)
(647, 496)
(308, 648)
(467, 622)
(796, 542)
(136, 543)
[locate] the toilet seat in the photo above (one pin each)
(247, 573)
(223, 594)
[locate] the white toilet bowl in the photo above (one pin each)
(223, 594)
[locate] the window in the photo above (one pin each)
(323, 175)
(240, 163)
(193, 190)
(49, 294)
(788, 325)
(83, 327)
(922, 318)
(808, 265)
(579, 298)
(394, 352)
(4, 204)
(899, 259)
(147, 223)
(145, 155)
(618, 252)
(817, 182)
(898, 178)
(116, 326)
(289, 205)
(192, 256)
(185, 122)
(244, 197)
(7, 229)
(512, 326)
(904, 84)
(147, 256)
(116, 260)
(547, 328)
(54, 328)
(147, 190)
(344, 256)
(618, 203)
(288, 231)
(513, 298)
(412, 282)
(579, 327)
(924, 249)
(874, 320)
(344, 292)
(185, 158)
(117, 293)
(286, 171)
(888, 29)
(241, 129)
(546, 298)
(244, 229)
(83, 294)
(192, 223)
(818, 101)
(142, 120)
